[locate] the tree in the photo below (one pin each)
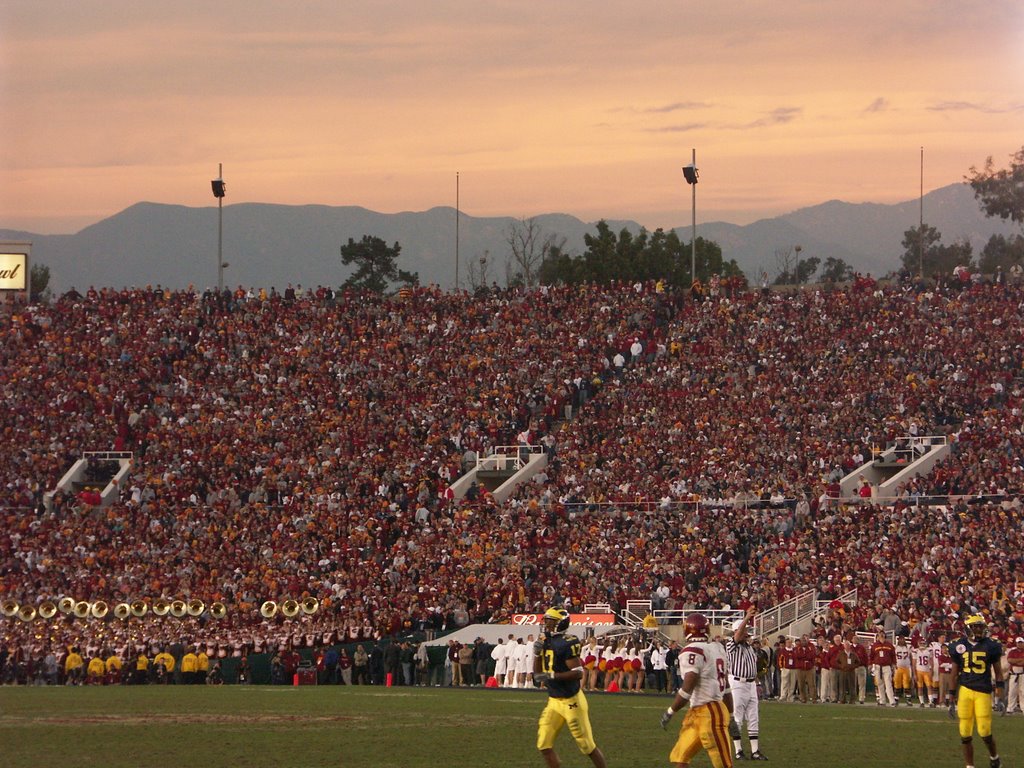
(919, 249)
(836, 271)
(792, 269)
(376, 265)
(1001, 252)
(529, 247)
(657, 255)
(39, 282)
(1001, 192)
(479, 273)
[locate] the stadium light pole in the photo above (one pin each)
(796, 269)
(219, 189)
(690, 174)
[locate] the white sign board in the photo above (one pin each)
(13, 272)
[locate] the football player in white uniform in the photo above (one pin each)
(704, 670)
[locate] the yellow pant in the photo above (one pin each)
(573, 712)
(705, 726)
(974, 708)
(924, 682)
(901, 679)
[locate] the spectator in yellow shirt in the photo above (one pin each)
(189, 666)
(141, 669)
(96, 670)
(165, 660)
(202, 666)
(74, 667)
(113, 665)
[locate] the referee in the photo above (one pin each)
(743, 681)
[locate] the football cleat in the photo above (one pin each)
(740, 755)
(758, 756)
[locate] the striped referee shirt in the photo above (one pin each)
(742, 659)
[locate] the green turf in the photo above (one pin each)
(377, 728)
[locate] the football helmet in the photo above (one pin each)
(696, 626)
(556, 619)
(975, 626)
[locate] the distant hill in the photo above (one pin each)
(273, 245)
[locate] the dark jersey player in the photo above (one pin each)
(976, 659)
(558, 666)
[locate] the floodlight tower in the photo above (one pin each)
(219, 189)
(690, 174)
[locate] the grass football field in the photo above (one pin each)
(356, 727)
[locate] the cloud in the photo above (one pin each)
(881, 104)
(676, 107)
(778, 116)
(968, 106)
(684, 128)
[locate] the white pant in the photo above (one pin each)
(1015, 693)
(744, 704)
(883, 684)
(787, 684)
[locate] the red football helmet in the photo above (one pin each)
(696, 626)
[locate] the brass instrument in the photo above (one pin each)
(310, 606)
(139, 608)
(178, 609)
(218, 610)
(122, 611)
(66, 605)
(268, 610)
(26, 613)
(195, 607)
(161, 607)
(47, 610)
(99, 610)
(290, 608)
(10, 608)
(82, 609)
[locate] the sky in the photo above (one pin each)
(506, 107)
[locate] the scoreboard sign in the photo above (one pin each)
(13, 272)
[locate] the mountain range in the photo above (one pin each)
(274, 245)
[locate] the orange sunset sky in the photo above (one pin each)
(588, 108)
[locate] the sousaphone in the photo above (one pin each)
(310, 606)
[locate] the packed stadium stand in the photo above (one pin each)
(288, 448)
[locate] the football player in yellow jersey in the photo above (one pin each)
(557, 665)
(976, 657)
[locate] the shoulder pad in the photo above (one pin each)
(569, 638)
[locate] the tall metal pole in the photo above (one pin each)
(920, 225)
(220, 234)
(456, 231)
(693, 239)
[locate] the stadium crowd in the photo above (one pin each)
(303, 444)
